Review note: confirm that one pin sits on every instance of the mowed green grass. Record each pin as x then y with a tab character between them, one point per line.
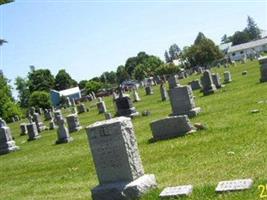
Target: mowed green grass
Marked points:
232	147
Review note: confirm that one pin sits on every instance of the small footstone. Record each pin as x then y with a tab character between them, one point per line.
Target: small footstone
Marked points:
173	192
234	185
255	111
244	73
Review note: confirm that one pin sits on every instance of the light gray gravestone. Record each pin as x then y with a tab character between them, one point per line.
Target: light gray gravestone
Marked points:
174	192
32	131
136	96
23	129
101	106
117	161
171	127
216	80
7	144
73	123
63	135
234	185
263	68
227	77
52	125
149	90
164	93
207	83
39	124
182	101
48	114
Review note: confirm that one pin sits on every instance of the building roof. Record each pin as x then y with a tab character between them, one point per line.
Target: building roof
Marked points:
247	45
68	92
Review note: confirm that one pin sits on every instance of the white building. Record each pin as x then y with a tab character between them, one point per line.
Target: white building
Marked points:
245	50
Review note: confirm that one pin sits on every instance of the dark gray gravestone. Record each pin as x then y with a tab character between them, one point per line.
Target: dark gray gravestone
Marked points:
117	161
63	135
23	129
263	68
73	123
32	131
163	93
125	107
207	83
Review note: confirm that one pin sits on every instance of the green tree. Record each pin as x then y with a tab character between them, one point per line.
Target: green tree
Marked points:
167	57
109	77
122	74
41	80
82	84
174	52
240	37
40	99
64	81
93	86
168	68
139	72
5	1
22	86
200	37
252	29
8	108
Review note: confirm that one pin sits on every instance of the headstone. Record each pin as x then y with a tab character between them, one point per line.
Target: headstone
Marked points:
13	119
117	161
17	118
216	80
171	127
149	90
48	114
73	123
263	68
125	106
68	101
23	129
108	115
234	185
74	110
244	73
114	96
32	131
207	83
32	110
182	101
40	125
175	192
63	135
52	125
93	95
173	81
99	99
81	108
73	102
227	77
58	115
7	144
136	96
163	93
101	106
40	111
195	85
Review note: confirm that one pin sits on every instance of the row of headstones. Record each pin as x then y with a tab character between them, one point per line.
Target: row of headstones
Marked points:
119	167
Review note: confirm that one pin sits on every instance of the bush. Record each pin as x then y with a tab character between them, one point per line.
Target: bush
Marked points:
93	86
40	99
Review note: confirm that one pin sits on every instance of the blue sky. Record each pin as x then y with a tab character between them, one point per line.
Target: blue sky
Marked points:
89	37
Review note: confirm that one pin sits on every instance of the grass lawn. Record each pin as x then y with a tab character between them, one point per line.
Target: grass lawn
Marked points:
232	147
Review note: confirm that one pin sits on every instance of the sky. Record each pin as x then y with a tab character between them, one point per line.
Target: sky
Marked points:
89	37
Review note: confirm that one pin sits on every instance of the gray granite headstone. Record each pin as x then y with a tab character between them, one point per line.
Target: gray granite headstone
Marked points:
73	123
23	129
63	135
234	185
207	83
48	114
263	68
182	101
117	161
227	77
171	127
101	106
173	81
149	90
108	115
81	108
39	124
7	144
174	192
163	93
195	85
136	97
32	131
216	80
52	125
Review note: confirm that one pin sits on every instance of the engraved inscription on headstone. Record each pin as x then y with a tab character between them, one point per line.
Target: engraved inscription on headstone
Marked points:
234	185
172	192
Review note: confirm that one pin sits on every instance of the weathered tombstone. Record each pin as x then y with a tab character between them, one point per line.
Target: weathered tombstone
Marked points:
244	73
149	90
32	131
81	108
173	81
125	106
7	144
40	111
227	77
57	115
16	118
108	116
207	83
117	161
13	119
175	192
195	85
101	106
93	95
99	99
163	93
171	127
114	96
182	101
23	129
234	185
216	80
136	96
263	68
73	123
52	125
32	110
48	114
40	125
63	135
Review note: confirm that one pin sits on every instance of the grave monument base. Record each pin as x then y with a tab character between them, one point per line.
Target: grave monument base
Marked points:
191	113
9	146
64	140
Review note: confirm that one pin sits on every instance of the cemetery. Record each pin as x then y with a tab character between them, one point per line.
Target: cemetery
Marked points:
105	154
